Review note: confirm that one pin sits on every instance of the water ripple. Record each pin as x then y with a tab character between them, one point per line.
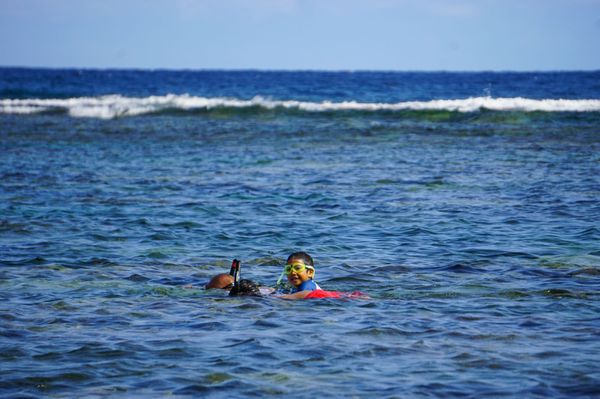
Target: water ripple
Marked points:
473	237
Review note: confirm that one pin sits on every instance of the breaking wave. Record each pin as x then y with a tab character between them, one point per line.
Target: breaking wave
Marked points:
113	106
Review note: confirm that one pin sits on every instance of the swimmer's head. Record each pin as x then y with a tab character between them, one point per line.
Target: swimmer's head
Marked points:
245	288
221	281
301	256
299	268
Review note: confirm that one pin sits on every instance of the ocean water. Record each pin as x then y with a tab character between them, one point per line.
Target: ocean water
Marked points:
466	205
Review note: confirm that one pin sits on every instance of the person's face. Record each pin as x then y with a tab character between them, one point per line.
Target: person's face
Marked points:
297	272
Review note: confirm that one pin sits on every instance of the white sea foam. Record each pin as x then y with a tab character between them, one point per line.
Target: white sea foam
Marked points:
117	106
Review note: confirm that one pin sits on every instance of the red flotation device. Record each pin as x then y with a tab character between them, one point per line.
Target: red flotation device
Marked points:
317	294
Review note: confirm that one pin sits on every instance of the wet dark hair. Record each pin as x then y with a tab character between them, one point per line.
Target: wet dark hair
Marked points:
303	256
245	288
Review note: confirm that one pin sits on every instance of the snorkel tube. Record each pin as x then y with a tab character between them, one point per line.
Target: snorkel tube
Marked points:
235	272
233	267
242	287
281	284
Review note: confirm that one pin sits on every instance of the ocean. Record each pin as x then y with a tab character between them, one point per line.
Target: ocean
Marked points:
466	205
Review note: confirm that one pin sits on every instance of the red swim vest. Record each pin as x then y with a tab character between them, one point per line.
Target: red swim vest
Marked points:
316	294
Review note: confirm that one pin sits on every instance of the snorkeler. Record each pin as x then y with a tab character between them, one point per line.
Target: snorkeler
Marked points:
300	272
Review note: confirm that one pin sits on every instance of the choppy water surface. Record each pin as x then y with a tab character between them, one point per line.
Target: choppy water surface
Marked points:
474	232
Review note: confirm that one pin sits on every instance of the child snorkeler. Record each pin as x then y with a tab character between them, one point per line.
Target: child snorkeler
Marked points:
300	271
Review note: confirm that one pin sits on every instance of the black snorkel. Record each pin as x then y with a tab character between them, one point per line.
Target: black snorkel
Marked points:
242	287
235	272
233	267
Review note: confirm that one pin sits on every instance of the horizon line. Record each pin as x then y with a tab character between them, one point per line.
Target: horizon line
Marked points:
315	70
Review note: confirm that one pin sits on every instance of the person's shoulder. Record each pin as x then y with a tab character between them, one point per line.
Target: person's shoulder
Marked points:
308	285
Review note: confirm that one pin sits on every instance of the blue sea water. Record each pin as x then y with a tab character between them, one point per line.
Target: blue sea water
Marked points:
466	205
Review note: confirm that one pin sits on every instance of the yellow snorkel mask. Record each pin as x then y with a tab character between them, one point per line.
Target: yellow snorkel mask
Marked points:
297	267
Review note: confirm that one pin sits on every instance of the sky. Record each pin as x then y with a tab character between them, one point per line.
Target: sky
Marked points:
453	35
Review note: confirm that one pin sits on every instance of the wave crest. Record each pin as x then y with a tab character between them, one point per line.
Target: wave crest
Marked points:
113	106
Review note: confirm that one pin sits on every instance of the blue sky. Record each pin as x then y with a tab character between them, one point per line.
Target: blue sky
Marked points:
302	34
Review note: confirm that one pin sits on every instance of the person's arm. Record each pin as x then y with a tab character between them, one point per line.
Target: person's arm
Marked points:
266	290
296	295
